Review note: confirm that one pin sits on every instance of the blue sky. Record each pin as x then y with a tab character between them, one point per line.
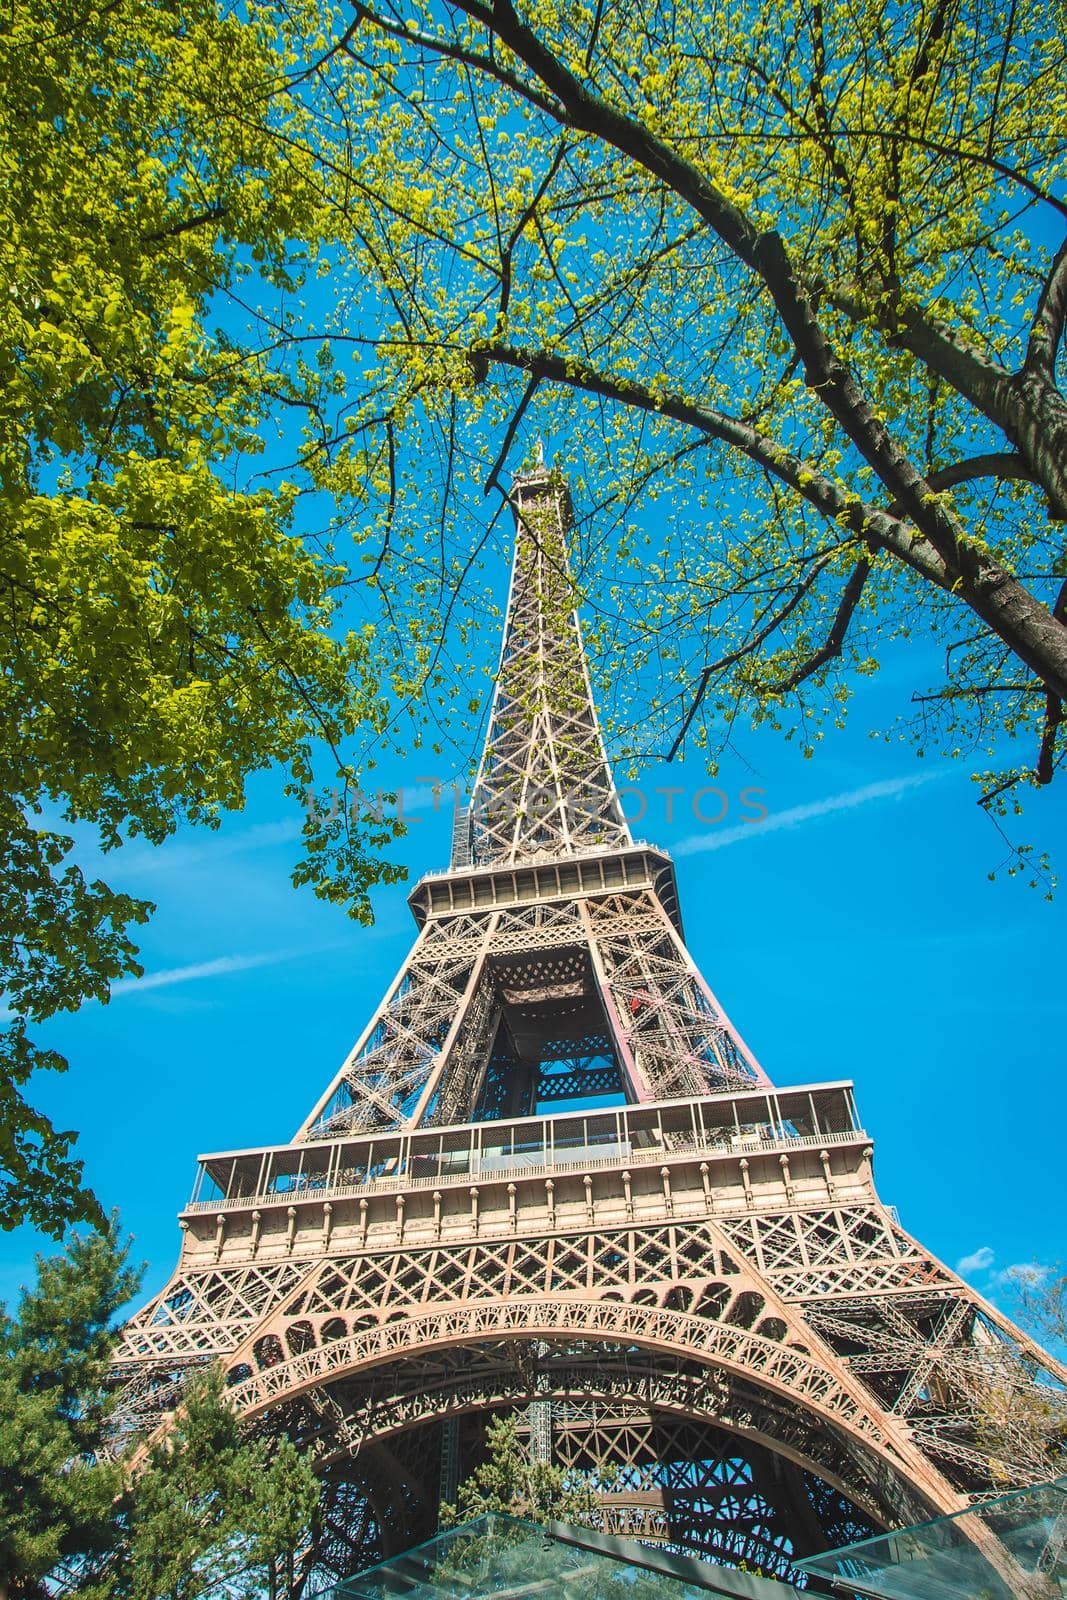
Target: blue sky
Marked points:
854	934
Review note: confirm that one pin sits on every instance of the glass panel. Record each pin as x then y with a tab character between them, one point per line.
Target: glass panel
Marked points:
1014	1546
497	1558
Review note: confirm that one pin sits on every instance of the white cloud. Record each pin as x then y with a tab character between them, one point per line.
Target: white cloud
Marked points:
813	811
196	971
979	1260
205	849
218	968
1022	1274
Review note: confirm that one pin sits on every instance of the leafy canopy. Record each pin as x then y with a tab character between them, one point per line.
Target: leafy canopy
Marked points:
799	265
165	631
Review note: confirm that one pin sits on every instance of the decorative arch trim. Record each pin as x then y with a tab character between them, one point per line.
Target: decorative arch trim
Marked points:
782	1369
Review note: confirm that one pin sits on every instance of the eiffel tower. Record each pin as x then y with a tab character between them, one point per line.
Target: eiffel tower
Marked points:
551	1180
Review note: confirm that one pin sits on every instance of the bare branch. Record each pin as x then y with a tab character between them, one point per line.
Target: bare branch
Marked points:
835	639
748	647
1054	714
1001	464
1046	755
492	481
1016	616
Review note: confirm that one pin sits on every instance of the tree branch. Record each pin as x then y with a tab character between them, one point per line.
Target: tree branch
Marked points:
993	464
826	495
493	480
1025	405
1047	329
1017	617
764	253
1046	763
936	544
457	52
1046	755
835	639
201	220
938	346
750	645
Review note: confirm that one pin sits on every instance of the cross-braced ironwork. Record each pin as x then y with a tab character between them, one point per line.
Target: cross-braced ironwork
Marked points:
551	1179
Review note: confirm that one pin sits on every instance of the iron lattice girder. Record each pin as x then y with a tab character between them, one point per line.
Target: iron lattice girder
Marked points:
435	1028
459	1380
674	1479
660	1165
582	1079
712	1256
544	787
494	1284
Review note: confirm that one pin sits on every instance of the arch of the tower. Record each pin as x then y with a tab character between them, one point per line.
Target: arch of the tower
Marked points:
661	1474
704	1435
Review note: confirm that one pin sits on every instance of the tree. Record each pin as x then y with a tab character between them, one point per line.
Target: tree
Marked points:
804	264
56	1493
1021	1413
207	1509
511	1483
165	629
211	1512
1040	1295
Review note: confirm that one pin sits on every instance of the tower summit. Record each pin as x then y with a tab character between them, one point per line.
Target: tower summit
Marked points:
530	983
544	787
550	1179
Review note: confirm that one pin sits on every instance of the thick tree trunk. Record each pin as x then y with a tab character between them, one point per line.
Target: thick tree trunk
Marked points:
1019	618
1035	420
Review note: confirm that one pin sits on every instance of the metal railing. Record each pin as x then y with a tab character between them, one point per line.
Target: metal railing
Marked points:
569	1162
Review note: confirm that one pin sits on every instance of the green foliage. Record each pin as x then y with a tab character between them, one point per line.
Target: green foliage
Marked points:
207	1509
798	267
801	266
211	1511
509	1482
165	633
56	1496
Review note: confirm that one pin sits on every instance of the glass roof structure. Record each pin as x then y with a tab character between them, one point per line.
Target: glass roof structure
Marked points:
1011	1548
500	1558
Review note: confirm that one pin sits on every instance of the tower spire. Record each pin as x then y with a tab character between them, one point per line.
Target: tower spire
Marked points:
544	786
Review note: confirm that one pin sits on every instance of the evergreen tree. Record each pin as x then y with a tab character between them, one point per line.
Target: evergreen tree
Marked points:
56	1494
206	1511
211	1512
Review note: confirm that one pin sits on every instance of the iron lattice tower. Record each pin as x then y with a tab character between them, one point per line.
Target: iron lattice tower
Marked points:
551	1179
